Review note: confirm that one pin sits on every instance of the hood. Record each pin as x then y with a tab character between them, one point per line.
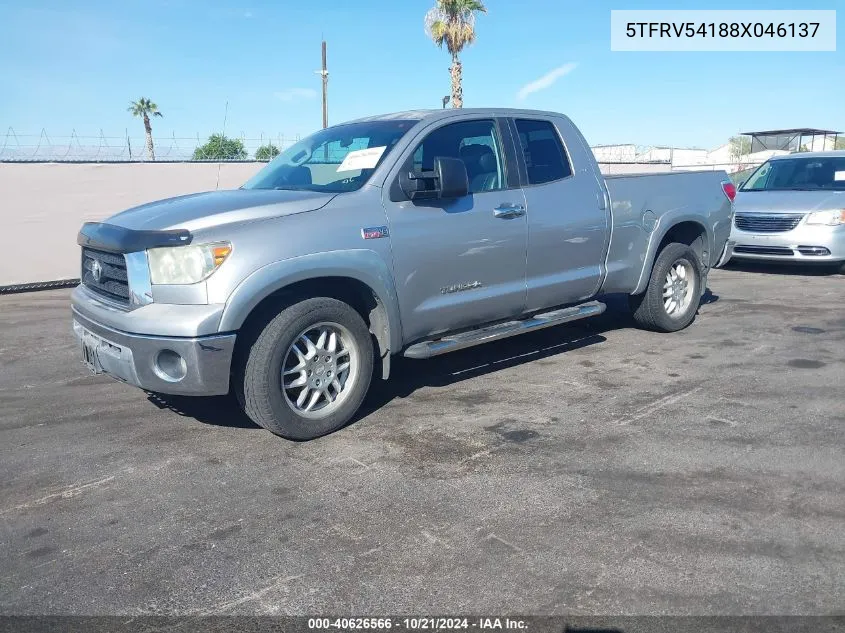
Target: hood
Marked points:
789	201
216	208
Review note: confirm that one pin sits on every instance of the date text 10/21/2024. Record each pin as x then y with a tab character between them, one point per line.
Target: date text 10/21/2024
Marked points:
417	624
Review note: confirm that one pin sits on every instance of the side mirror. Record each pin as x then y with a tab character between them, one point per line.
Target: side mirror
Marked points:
418	185
452	177
446	181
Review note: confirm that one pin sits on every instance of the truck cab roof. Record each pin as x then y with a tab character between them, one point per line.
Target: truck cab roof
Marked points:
446	113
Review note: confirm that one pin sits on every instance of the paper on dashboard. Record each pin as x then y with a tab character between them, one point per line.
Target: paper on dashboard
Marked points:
362	159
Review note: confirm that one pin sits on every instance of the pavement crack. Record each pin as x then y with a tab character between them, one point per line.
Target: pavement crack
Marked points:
661	403
68	493
230	604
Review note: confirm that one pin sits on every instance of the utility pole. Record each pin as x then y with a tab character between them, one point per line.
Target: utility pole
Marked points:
324	73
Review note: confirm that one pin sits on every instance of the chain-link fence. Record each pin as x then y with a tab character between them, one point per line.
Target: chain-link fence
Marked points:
43	147
620	159
631	154
20	147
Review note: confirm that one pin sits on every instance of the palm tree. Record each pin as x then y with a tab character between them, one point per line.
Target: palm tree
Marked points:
452	22
146	108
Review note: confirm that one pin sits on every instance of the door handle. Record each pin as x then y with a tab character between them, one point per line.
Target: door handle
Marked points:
506	211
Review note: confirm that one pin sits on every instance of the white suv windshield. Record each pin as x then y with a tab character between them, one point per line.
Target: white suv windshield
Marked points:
337	159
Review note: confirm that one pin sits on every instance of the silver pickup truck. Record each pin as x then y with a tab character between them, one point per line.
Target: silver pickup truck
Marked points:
415	233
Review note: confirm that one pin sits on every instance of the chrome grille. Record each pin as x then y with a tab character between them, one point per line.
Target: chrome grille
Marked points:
767	223
112	283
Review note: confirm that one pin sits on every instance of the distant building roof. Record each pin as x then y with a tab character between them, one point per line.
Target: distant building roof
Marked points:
807	131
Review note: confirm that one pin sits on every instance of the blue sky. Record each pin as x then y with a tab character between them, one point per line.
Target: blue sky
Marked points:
75	65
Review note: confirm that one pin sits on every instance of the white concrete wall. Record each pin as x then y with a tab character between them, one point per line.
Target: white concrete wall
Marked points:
820	143
43	205
687	157
634	168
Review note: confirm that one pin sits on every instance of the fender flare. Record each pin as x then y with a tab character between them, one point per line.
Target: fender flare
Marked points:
363	265
665	224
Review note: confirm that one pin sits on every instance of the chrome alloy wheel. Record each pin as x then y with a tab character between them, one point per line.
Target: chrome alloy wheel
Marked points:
678	288
319	369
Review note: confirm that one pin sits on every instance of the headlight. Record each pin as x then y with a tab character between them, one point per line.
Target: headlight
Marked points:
186	264
831	218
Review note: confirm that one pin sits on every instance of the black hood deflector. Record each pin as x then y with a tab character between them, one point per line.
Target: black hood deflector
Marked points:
117	239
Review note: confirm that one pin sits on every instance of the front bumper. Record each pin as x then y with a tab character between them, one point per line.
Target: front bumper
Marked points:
803	244
138	360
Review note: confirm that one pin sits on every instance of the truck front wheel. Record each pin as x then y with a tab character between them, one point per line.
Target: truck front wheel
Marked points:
308	371
674	291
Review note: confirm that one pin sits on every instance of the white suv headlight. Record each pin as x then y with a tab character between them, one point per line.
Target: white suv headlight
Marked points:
831	218
186	264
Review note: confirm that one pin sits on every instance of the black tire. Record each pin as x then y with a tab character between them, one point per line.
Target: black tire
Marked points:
648	308
263	398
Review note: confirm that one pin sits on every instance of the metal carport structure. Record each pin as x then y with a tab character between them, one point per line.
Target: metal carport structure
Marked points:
789	140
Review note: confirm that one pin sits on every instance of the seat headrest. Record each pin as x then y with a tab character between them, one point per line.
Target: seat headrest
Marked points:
480	156
298	175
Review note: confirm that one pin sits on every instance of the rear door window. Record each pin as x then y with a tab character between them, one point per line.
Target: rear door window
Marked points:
545	157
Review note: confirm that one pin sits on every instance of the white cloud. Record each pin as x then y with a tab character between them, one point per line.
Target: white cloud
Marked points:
296	94
545	81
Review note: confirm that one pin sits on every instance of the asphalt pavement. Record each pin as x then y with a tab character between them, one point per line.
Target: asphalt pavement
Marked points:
585	469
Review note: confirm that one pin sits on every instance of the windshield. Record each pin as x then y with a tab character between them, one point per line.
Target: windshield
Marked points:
799	174
337	159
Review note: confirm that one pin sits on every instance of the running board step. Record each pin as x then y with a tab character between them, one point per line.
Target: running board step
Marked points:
454	342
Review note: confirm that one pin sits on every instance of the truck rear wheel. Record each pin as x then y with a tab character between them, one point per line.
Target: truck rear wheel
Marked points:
309	369
674	291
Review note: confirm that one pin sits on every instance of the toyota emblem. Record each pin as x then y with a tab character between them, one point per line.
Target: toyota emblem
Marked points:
96	270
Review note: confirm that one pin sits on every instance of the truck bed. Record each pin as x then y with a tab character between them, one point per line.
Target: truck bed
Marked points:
644	204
